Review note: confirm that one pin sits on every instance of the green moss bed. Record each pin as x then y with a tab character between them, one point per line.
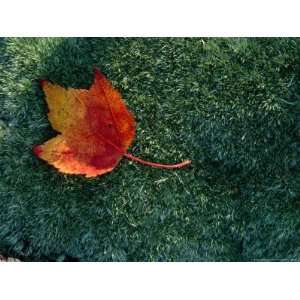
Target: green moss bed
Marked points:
231	105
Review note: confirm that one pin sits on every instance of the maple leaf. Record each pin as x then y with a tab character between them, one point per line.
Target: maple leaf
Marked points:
95	129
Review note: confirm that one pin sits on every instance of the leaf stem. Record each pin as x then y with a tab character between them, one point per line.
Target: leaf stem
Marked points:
157	165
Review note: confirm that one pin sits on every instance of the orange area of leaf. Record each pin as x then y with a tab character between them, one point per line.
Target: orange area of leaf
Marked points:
95	129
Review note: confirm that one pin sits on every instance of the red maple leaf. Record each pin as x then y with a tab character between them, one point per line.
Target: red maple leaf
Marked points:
95	129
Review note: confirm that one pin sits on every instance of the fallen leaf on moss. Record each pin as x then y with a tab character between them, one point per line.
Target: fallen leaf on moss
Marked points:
95	129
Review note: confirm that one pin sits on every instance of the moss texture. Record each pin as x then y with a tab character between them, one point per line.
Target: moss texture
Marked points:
231	105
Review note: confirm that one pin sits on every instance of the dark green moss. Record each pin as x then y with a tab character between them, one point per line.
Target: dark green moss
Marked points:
230	105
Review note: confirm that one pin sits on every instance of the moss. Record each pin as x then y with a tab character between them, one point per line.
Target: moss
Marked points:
230	105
